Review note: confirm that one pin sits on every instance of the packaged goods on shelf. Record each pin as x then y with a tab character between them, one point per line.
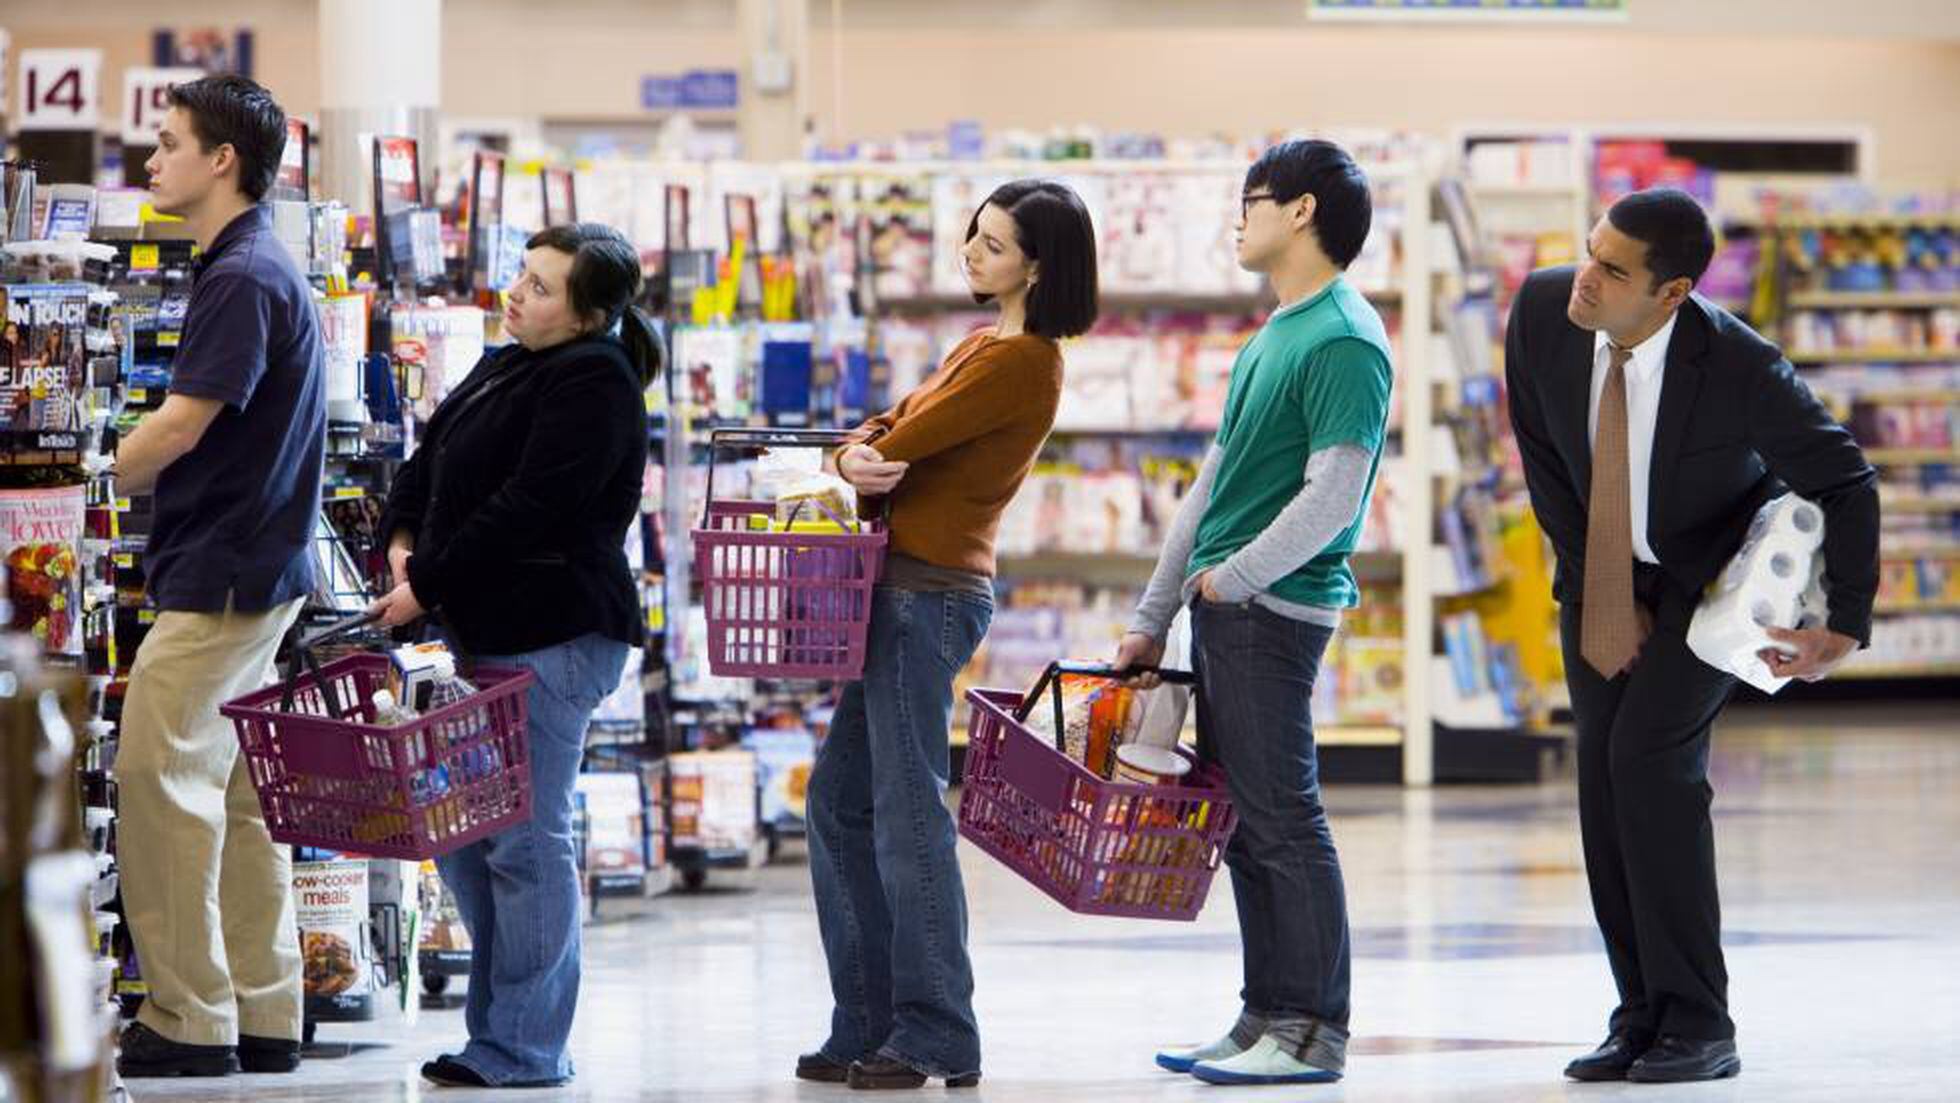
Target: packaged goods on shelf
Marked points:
1922	644
615	836
1817	332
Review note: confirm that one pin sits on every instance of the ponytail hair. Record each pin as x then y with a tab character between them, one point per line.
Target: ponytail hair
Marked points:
643	344
604	282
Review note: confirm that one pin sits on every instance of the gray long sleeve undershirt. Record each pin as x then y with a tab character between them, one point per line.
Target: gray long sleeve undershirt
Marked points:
1336	479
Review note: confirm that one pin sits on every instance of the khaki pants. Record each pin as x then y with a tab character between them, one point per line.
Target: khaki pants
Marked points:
208	896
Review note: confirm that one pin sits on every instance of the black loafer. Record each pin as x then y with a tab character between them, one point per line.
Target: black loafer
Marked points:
256	1054
1611	1060
145	1053
1678	1060
884	1074
451	1073
818	1067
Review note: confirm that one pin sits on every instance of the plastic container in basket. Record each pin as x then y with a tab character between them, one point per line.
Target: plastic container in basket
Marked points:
1099	847
784	604
417	790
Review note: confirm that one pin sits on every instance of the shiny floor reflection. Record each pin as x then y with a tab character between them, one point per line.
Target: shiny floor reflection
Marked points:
1477	972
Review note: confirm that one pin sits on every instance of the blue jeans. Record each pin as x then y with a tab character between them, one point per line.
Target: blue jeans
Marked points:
518	890
1256	671
890	903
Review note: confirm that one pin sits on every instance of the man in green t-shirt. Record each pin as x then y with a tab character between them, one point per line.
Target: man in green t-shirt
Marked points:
1260	551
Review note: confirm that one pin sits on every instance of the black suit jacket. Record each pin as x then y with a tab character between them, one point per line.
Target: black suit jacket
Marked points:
1736	428
520	497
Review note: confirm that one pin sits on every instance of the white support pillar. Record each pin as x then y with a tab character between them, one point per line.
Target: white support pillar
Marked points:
380	73
775	76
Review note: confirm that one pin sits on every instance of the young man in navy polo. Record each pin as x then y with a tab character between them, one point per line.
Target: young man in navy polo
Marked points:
233	459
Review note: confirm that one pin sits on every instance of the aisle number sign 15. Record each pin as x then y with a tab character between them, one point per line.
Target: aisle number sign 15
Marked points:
146	100
59	90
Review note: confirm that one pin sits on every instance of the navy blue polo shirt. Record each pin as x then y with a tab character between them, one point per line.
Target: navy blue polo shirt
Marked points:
235	515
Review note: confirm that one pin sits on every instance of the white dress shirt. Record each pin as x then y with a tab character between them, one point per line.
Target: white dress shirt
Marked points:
1643	410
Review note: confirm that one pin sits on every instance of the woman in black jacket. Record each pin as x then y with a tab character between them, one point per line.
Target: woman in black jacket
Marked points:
510	521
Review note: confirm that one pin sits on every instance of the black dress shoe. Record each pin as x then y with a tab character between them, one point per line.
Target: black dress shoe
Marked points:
1611	1060
882	1074
818	1067
1678	1060
256	1054
146	1053
451	1073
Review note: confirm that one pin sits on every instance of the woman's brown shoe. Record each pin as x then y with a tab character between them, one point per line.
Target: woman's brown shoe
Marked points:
818	1067
882	1074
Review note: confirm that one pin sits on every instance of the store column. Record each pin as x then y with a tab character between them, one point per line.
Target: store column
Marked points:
775	75
380	73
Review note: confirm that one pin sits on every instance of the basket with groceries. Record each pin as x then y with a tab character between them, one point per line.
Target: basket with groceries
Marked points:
787	583
399	754
1074	787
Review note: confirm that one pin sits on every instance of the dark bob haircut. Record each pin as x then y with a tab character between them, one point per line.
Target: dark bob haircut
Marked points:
1680	242
1343	209
1051	226
231	110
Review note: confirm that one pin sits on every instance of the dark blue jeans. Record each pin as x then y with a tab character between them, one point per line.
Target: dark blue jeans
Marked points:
1257	670
518	890
890	903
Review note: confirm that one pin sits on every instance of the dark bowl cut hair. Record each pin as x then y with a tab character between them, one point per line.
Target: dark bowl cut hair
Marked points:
232	110
1051	226
1343	207
1680	240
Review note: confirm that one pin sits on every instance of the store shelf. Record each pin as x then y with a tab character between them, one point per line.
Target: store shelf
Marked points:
1876	356
1912	456
1918	505
1522	192
1910	554
1872	221
1096	569
1898	397
1872	300
1900	670
1907	608
1357	735
1135	434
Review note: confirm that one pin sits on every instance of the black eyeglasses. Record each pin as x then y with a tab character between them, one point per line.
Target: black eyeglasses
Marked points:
1249	198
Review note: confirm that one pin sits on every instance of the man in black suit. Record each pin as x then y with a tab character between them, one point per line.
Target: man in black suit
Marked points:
1653	425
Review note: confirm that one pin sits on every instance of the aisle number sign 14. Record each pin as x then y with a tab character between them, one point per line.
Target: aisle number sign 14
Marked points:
59	90
146	100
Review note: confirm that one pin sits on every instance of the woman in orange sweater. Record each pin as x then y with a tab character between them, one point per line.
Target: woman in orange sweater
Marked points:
890	903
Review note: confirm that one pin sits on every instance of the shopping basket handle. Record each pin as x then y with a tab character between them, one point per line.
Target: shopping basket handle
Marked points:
1105	670
340	627
770	437
302	657
1053	676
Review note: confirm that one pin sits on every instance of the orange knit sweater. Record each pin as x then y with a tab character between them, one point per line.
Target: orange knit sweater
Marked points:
970	432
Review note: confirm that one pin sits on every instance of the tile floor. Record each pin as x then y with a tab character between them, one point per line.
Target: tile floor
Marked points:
1477	972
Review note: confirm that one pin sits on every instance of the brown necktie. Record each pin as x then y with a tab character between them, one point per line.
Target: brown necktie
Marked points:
1608	631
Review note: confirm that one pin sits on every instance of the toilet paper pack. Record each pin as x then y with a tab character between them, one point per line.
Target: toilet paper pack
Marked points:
1776	579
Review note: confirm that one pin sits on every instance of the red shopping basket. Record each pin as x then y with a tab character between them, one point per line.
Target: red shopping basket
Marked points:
327	776
1098	847
784	604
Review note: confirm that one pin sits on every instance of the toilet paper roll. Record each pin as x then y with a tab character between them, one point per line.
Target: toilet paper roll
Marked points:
1789	516
1774	580
1776	564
